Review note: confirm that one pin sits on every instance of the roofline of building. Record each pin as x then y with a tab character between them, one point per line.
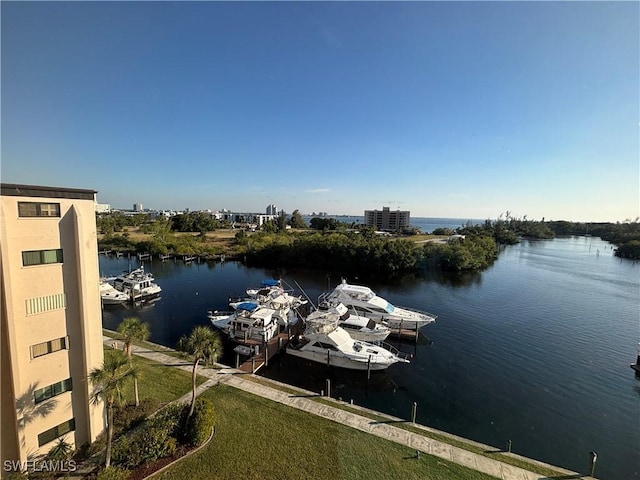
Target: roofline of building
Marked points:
16	190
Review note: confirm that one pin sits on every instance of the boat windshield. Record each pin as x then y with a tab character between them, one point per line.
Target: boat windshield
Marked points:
390	308
371	325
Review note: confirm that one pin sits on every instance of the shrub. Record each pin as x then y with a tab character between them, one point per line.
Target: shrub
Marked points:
129	416
201	422
127	452
152	440
155	442
60	451
172	418
113	473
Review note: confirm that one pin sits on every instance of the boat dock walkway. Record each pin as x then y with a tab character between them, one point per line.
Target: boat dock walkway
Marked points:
304	401
265	353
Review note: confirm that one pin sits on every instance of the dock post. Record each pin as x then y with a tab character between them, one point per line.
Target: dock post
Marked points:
237	360
593	456
265	345
400	329
369	368
509	446
328	387
414	410
417	332
253	365
328	357
279	344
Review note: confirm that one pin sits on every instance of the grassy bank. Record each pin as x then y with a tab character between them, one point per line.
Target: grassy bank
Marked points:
162	383
496	454
257	438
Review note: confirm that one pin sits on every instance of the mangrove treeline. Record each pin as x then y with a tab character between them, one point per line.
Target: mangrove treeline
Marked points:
348	248
352	252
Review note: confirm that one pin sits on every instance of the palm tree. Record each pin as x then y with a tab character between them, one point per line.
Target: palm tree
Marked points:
203	345
131	329
108	382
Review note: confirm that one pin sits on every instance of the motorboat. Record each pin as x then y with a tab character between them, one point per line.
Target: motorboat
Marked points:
323	341
366	302
249	321
137	284
273	296
359	327
109	295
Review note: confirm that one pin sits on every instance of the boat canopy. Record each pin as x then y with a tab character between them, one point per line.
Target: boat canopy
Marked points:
249	306
270	283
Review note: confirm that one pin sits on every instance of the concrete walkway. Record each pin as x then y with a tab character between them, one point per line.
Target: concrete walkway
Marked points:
422	443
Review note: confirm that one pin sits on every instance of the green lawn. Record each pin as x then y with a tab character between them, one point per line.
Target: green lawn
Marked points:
496	454
166	384
260	439
160	382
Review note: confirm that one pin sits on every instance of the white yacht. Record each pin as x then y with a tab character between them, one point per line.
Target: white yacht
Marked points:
272	295
137	284
359	327
249	321
325	342
110	296
364	301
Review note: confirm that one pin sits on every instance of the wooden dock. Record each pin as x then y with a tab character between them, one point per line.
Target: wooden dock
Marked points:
405	334
262	353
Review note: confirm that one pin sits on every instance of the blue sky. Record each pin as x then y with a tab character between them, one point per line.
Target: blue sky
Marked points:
454	109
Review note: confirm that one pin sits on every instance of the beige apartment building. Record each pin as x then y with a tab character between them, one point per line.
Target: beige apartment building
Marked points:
387	220
51	319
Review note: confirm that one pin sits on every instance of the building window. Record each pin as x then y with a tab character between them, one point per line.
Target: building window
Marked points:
36	209
46	393
40	257
57	431
51	346
46	303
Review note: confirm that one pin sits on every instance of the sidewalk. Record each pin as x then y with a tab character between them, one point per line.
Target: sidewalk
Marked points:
234	378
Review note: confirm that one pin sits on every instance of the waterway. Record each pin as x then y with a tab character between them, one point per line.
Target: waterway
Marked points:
535	350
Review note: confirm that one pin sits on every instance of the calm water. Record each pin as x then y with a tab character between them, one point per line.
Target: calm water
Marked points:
535	350
426	224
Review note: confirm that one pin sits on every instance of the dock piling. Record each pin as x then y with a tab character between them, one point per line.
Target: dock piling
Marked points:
593	456
328	387
265	345
414	411
508	446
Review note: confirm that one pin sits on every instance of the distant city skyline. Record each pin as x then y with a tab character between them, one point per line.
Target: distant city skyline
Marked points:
445	109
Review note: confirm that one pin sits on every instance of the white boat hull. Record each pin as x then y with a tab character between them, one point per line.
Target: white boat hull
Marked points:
111	296
410	321
370	337
335	359
366	303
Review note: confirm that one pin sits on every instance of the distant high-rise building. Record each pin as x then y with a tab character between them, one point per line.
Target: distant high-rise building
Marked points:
386	220
272	210
51	320
137	207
